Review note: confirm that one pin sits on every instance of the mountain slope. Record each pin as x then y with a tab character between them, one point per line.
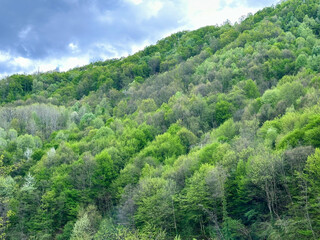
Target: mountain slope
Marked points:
209	134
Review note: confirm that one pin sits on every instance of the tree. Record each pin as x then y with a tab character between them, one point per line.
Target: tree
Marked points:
105	171
302	61
86	119
263	171
3	143
312	192
187	138
12	134
223	111
87	224
251	89
7	187
154	204
25	142
196	202
164	147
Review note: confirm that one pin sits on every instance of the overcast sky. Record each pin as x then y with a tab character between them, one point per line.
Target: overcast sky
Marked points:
48	34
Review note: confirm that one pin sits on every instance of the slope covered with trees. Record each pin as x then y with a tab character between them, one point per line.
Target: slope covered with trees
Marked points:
209	134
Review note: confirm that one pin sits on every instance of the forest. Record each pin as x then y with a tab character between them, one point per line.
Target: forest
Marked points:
208	134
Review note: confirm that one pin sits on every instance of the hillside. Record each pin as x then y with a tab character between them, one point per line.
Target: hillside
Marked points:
208	134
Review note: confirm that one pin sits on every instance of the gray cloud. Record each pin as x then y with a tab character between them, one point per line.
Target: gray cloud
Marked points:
39	28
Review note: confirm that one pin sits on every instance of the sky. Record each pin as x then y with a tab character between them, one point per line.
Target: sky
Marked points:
44	35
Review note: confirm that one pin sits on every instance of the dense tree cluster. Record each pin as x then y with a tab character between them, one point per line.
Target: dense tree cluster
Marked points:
209	134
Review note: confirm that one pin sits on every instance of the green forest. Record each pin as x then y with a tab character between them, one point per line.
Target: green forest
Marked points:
208	134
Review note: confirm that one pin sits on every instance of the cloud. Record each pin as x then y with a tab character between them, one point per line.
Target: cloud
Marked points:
137	2
40	28
263	3
246	3
67	33
25	65
203	12
4	56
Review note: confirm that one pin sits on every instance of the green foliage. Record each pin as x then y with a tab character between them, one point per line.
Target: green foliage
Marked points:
26	141
110	230
154	203
86	225
87	119
196	199
165	146
105	171
226	131
223	111
271	97
312	207
208	134
187	138
251	89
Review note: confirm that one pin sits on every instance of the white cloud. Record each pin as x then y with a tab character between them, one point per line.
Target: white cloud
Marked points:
63	64
138	47
74	47
3	75
73	62
153	8
4	56
204	12
105	50
136	2
21	62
